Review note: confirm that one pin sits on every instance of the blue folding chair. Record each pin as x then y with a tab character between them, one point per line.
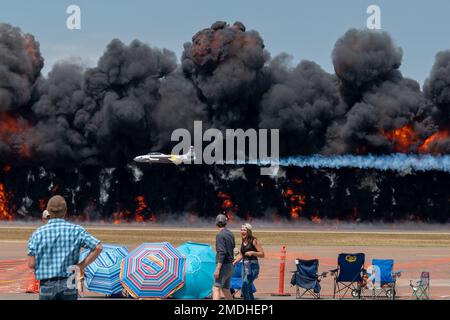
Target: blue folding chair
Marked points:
236	280
383	279
348	276
306	279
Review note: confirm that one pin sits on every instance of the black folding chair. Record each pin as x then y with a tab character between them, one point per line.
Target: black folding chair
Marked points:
306	279
348	276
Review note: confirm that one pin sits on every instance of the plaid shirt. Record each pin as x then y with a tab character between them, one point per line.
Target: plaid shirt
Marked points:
56	246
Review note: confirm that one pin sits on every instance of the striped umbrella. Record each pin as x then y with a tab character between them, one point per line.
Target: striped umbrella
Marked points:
153	270
200	266
102	275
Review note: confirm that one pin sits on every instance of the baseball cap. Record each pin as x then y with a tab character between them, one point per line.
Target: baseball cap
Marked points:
248	226
221	218
57	206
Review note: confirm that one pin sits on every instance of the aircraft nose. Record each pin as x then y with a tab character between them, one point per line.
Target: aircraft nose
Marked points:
138	159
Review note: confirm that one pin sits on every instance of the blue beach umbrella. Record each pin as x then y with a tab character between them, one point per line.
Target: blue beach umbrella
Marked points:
200	266
102	276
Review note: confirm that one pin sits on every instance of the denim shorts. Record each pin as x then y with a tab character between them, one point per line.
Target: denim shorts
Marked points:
56	290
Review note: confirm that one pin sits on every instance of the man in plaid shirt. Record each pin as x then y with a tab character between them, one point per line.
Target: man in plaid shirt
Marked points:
54	249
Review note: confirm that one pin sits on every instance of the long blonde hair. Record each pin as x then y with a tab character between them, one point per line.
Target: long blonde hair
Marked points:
249	237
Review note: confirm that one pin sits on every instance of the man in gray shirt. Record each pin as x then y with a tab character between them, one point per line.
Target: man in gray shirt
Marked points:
224	259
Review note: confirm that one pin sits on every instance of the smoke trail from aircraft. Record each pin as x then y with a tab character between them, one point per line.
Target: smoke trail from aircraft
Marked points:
394	162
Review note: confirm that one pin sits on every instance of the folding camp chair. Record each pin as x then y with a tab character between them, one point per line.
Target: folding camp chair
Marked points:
306	278
236	280
421	288
383	279
348	276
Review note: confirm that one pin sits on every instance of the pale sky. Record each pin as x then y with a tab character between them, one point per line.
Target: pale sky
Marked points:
306	29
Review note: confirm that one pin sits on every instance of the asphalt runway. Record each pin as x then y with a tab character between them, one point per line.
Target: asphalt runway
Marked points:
262	227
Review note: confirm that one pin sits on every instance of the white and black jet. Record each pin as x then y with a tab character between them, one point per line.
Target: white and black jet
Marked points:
158	157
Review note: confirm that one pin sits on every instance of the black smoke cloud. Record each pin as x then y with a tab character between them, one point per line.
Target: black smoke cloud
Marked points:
227	66
76	130
302	101
437	86
378	97
137	95
362	57
387	106
20	64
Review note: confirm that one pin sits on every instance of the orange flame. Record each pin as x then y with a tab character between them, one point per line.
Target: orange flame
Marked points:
296	202
402	138
316	219
119	217
228	207
138	218
5	213
125	216
288	192
405	137
141	206
152	217
42	204
10	127
429	146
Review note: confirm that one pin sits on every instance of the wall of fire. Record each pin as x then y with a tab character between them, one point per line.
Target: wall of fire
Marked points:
162	193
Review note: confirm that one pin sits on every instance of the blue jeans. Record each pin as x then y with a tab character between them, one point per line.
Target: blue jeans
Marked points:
250	271
57	290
